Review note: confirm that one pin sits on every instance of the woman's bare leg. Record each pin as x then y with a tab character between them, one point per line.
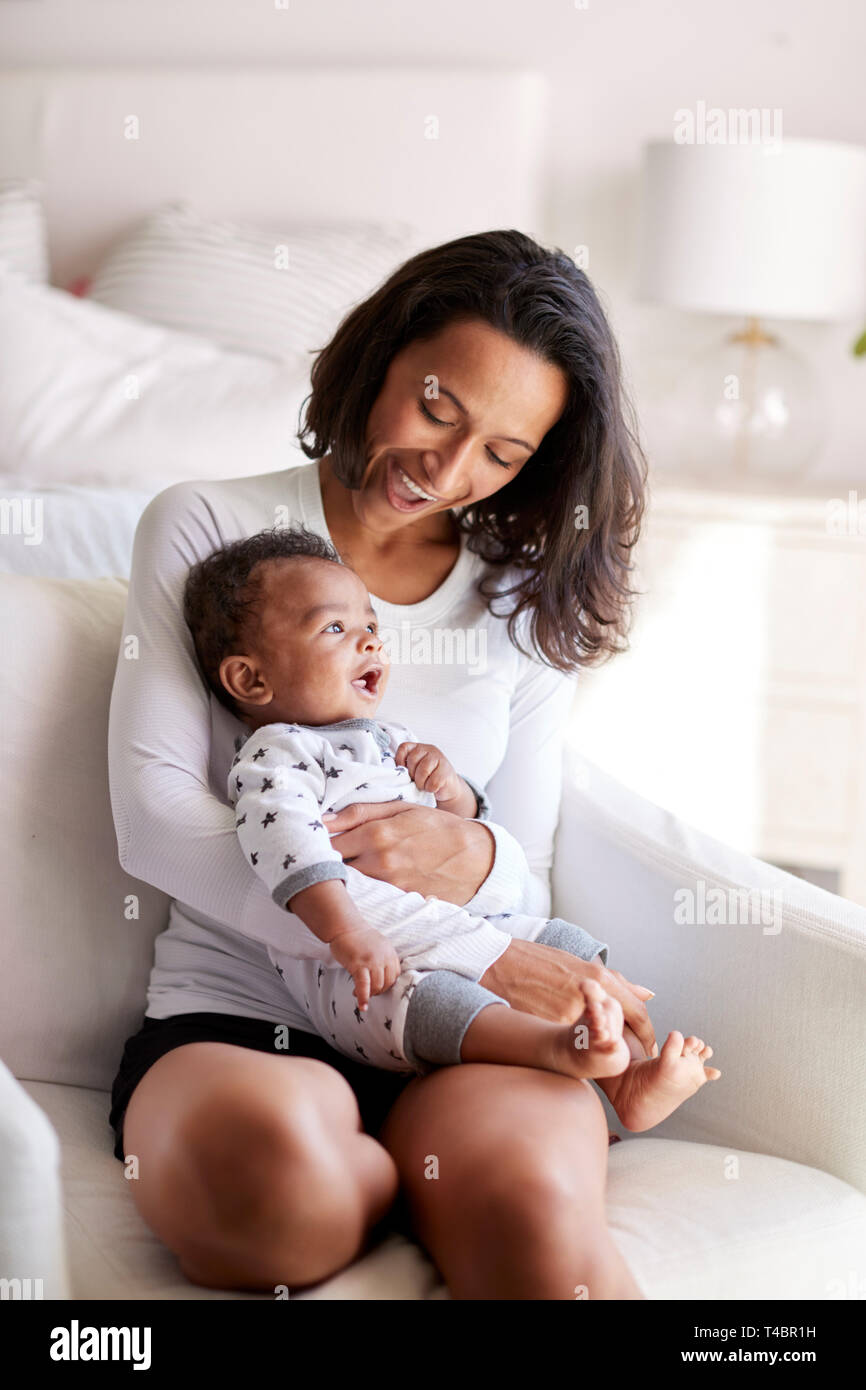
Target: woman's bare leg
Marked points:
504	1170
253	1169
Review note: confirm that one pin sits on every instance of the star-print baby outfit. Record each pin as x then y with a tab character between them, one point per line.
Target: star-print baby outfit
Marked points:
282	779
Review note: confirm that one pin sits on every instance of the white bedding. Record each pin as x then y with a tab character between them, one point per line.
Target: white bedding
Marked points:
96	397
196	364
67	531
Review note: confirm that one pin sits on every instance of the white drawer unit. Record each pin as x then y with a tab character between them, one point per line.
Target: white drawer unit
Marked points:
741	705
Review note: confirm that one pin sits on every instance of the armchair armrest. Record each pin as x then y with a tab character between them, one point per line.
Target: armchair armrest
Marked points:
32	1245
767	968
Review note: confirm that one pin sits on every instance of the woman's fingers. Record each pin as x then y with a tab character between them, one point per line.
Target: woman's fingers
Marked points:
633	1003
351	816
634	1012
642	991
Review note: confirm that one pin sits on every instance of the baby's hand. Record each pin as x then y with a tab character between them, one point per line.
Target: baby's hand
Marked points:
430	770
369	958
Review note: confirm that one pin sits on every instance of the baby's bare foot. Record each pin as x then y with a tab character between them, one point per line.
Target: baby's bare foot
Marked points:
648	1091
593	1046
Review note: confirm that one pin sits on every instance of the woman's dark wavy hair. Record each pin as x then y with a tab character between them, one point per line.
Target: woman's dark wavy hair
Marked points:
575	588
223	593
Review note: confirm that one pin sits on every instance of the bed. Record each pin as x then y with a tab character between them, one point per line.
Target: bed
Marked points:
334	154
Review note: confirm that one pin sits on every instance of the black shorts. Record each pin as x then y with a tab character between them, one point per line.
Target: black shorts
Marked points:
375	1091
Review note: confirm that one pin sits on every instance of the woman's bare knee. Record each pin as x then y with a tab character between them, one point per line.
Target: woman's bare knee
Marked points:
467	1119
263	1176
517	1208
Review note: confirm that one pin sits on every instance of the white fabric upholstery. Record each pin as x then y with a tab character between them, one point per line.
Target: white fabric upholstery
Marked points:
703	1221
75	963
784	1013
32	1243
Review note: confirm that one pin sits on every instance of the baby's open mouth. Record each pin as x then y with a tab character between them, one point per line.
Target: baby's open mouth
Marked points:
368	681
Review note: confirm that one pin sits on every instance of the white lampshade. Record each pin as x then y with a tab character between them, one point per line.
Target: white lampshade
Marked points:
770	232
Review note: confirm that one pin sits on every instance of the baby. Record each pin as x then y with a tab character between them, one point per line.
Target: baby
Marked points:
287	639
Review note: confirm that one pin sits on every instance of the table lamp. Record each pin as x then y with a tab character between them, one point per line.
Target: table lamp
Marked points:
767	232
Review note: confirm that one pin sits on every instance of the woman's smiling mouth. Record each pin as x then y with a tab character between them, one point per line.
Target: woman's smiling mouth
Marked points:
402	491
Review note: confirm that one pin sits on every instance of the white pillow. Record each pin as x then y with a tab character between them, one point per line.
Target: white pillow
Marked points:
69	411
23	238
274	291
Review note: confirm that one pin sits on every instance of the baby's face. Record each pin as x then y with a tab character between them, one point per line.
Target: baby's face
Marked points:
317	654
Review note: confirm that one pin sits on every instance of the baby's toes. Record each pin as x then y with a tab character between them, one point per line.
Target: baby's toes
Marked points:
595	1019
602	1021
712	1073
706	1052
593	996
595	999
692	1044
613	1015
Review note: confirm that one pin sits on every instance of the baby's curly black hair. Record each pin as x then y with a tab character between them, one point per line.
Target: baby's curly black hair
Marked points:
223	592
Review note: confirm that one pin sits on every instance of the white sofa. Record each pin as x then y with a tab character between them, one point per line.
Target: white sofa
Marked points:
754	1189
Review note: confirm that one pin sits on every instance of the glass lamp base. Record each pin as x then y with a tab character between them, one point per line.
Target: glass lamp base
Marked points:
750	409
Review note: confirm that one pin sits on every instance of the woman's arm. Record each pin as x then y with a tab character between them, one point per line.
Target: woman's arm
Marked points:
173	829
525	795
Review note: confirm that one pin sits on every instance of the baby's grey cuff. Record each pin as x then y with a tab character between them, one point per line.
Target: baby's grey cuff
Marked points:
565	936
483	804
305	878
441	1008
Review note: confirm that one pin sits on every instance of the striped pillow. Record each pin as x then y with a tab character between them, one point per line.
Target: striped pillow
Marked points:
23	240
275	293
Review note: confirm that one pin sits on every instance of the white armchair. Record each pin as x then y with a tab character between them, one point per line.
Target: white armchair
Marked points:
755	1189
762	1174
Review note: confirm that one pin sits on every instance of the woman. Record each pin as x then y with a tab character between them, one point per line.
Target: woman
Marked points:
470	454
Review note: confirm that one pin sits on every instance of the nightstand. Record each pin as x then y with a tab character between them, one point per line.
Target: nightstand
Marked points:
741	705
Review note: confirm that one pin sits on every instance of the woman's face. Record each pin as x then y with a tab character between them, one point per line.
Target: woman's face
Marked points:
458	417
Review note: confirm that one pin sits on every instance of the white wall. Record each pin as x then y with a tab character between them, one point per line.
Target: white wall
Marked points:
619	68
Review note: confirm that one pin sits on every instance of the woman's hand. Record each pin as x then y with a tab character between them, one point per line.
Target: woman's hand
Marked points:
545	981
417	848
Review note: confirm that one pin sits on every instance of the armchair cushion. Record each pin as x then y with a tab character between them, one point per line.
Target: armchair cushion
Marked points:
693	1221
